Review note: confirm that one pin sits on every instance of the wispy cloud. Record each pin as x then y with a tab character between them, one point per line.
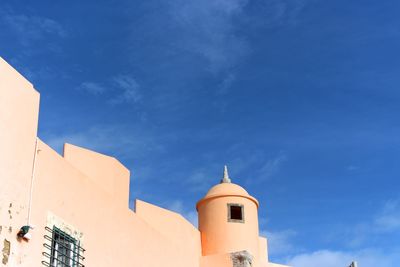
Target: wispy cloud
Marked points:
178	207
226	83
331	258
128	89
201	179
31	27
119	89
33	73
272	166
278	12
211	35
280	242
208	29
110	139
388	220
92	88
352	168
383	223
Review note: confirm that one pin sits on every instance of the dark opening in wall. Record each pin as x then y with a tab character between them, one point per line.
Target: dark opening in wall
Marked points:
235	213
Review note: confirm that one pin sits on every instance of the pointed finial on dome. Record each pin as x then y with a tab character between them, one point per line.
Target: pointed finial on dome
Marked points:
225	179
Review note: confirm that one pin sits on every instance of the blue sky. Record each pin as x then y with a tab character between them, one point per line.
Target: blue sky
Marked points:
300	98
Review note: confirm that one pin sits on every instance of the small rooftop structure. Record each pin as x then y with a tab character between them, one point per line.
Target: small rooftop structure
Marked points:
225	178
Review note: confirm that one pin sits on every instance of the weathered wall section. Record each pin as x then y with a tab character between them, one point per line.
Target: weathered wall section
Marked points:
19	108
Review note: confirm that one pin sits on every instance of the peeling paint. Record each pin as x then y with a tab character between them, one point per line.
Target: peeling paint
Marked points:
1	228
10	229
6	251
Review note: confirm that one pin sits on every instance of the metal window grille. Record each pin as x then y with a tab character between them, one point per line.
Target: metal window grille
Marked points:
62	250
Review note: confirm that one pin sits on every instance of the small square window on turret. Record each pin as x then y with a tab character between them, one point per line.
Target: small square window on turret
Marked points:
235	213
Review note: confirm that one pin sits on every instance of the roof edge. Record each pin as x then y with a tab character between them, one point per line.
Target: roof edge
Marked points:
226	195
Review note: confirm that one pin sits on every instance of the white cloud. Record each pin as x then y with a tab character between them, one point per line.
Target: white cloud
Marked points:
384	223
323	258
352	168
388	220
360	239
272	166
279	12
33	74
208	29
124	140
330	258
280	242
226	84
243	160
121	89
31	27
92	88
128	88
178	207
200	179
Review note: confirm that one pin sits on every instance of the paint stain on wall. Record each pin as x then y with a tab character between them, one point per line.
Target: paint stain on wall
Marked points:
9	210
6	251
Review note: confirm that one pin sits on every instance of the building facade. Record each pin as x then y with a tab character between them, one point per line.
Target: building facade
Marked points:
72	209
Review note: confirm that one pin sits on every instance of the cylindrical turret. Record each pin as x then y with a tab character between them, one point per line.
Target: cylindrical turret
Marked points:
228	220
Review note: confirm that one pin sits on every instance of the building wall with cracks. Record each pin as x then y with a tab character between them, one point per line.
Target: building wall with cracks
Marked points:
85	195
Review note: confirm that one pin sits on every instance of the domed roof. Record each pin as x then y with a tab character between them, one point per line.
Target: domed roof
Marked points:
226	188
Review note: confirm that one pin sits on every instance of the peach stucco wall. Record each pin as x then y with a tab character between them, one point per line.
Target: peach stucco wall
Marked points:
263	248
88	192
120	236
183	235
19	104
216	260
220	236
105	171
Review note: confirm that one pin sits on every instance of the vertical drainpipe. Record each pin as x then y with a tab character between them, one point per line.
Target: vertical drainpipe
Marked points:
32	182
